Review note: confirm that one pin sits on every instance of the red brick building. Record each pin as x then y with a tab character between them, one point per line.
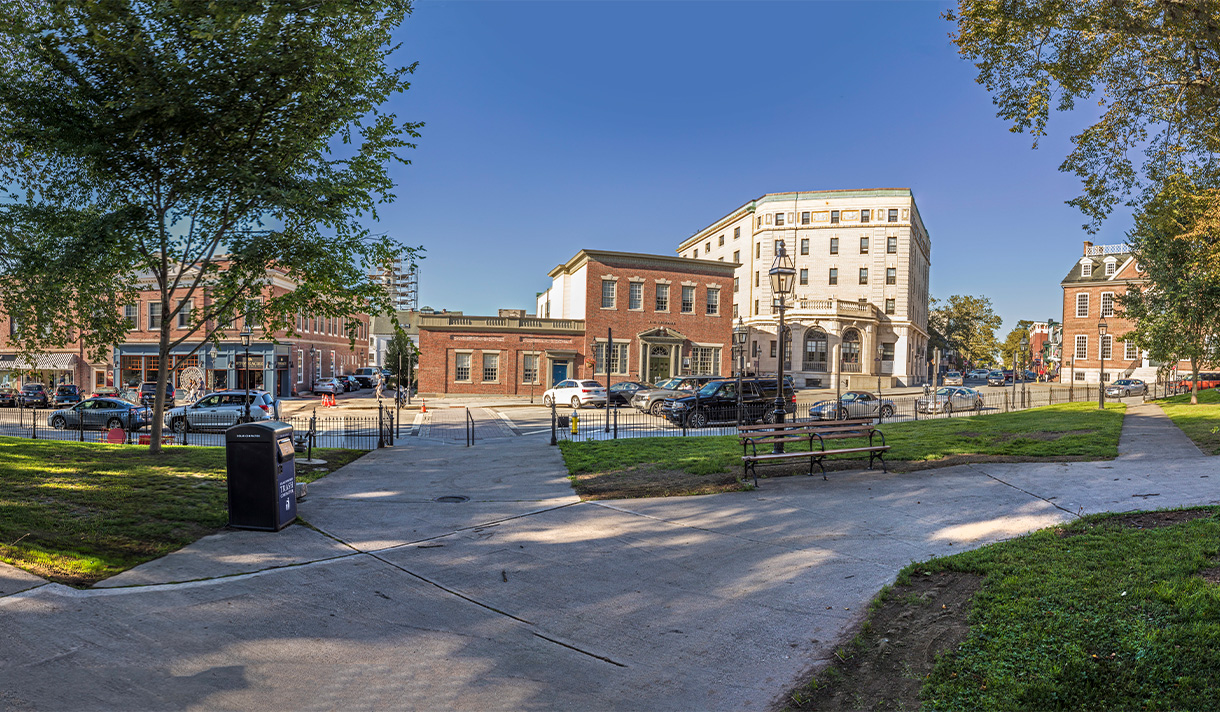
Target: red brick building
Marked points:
666	316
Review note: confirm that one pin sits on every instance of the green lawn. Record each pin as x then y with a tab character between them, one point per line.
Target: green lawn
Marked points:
1200	422
1075	430
80	512
1096	615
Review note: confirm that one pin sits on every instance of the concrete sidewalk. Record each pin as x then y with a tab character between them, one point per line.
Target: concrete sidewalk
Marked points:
523	597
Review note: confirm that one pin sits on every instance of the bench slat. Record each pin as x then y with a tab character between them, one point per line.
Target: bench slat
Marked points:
815	453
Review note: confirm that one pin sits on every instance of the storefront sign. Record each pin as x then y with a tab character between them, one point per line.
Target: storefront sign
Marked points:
256	362
281	362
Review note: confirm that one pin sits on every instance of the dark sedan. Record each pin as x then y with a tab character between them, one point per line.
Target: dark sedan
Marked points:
622	393
67	394
8	397
34	395
101	414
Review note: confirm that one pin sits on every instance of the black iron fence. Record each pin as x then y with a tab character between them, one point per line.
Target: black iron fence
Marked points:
333	430
627	422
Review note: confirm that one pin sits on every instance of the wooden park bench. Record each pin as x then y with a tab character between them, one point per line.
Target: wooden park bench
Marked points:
815	433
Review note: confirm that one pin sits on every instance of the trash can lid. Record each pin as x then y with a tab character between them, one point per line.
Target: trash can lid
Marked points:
264	431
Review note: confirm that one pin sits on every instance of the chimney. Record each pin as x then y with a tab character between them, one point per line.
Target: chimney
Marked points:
1087	245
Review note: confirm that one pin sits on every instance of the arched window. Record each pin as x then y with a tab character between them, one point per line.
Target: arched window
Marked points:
849	356
815	351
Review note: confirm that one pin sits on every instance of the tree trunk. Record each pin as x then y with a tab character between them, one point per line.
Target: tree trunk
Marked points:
158	416
1194	386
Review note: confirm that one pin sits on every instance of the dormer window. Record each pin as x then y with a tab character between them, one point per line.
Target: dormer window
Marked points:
1086	269
1111	267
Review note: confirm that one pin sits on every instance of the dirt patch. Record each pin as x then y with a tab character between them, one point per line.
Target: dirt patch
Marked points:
887	659
1040	435
651	481
1211	575
1154	520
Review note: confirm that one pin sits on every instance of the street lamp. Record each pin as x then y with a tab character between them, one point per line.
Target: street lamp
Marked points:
877	361
246	333
1101	352
740	333
783	279
1024	350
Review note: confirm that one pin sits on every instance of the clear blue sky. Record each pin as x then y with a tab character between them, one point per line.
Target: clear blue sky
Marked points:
555	126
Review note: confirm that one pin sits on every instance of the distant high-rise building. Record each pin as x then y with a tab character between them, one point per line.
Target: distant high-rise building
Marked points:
401	284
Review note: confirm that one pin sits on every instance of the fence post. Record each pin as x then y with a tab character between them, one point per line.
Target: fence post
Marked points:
616	423
380	428
81	427
554	428
1005	400
34	425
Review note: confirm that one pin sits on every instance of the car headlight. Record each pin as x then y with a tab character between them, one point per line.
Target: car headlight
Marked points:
677	406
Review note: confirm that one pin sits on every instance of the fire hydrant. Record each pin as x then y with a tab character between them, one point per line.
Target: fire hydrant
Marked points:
575	421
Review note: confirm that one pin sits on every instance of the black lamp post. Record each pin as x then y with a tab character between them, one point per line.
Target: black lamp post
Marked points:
877	361
783	279
1024	351
246	333
1101	353
740	333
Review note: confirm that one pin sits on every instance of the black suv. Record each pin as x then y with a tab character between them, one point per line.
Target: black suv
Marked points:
34	395
717	402
67	394
148	393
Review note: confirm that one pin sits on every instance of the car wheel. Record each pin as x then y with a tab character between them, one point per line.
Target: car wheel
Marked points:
114	423
546	400
59	423
655	408
576	401
843	414
887	411
697	419
178	425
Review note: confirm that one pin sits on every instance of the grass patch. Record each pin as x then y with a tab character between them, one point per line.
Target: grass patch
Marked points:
1200	422
77	513
651	467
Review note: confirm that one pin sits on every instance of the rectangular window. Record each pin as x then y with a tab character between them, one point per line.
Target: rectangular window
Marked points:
1130	352
662	297
865	215
1082	347
737	256
184	314
804	245
1111	268
332	364
889	306
864	245
887	352
773	349
618	358
756	278
834	245
1082	304
491	368
804	276
705	360
864	275
834	275
131	313
635	295
734	310
891	275
1079	376
736	233
721	241
893	215
688	300
154	315
834	217
461	368
1107	304
300	365
755	307
713	301
608	288
707	248
736	284
529	368
779	244
779	219
805	218
891	245
757	250
1107	346
1086	269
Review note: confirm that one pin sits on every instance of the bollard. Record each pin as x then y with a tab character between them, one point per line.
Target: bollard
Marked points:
554	428
616	423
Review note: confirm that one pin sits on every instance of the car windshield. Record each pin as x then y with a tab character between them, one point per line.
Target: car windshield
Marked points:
32	387
944	391
849	396
709	389
667	383
953	374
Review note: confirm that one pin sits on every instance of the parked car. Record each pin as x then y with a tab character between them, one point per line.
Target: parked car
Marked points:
947	399
853	404
978	374
716	401
101	414
34	395
995	378
148	393
8	397
1124	387
578	393
221	410
105	392
953	378
66	394
367	376
652	400
350	383
621	393
328	385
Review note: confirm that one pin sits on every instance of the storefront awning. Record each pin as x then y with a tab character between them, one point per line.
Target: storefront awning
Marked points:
41	362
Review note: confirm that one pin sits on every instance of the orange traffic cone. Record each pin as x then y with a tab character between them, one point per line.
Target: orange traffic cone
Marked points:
424	406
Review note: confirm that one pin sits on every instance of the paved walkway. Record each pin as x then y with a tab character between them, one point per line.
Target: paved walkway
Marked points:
1148	434
522	597
450	424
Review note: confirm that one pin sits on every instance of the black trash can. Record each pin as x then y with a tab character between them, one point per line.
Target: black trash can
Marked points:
261	475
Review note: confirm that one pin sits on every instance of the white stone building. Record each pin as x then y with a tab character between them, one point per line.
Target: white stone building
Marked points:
860	306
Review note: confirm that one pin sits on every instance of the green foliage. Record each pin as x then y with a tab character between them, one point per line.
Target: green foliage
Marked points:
1151	66
401	352
1090	616
207	148
1012	344
80	512
965	325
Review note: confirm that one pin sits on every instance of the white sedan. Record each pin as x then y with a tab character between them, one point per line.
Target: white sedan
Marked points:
578	393
328	385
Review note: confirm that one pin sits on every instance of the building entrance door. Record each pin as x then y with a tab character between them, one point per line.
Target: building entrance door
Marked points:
559	371
658	363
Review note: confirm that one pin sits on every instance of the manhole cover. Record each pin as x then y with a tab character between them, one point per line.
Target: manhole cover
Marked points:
453	498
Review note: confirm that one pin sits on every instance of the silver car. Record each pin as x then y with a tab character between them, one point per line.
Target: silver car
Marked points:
853	404
947	399
652	400
953	378
100	414
218	411
1124	387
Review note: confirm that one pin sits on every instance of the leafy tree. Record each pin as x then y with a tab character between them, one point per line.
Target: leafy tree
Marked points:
965	325
1012	343
401	350
1151	66
1177	312
200	149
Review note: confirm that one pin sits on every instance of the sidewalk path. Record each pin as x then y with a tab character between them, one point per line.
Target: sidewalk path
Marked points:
449	424
522	597
1149	434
